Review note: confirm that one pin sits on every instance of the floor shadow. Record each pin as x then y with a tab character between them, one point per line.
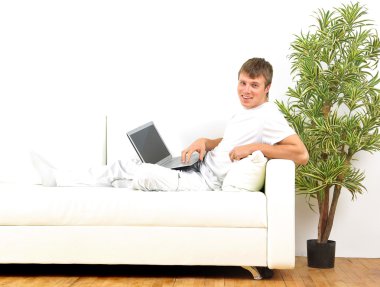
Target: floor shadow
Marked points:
122	270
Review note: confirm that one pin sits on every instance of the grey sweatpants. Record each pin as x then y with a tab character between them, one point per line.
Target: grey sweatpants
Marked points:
132	174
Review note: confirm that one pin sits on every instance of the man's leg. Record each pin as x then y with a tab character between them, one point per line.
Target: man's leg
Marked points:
119	171
150	177
116	173
128	174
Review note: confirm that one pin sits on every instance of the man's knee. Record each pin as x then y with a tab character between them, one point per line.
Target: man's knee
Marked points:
152	177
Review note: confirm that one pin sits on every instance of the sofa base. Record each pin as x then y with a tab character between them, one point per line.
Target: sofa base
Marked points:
144	245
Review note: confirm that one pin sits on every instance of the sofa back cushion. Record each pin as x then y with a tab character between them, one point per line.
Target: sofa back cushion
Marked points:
64	139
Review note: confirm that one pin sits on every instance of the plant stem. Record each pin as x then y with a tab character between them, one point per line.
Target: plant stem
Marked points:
323	212
330	221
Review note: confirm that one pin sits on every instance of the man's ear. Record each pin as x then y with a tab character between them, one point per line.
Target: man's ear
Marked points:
267	88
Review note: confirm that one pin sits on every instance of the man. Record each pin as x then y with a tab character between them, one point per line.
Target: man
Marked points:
259	125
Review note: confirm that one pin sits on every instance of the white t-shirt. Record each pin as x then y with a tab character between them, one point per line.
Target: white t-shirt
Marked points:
263	124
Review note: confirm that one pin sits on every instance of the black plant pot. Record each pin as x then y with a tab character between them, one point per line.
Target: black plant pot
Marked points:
320	255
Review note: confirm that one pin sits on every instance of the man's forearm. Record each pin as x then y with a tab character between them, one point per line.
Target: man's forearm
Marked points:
290	148
282	151
212	143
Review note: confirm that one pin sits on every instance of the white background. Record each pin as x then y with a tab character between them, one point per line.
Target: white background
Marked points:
174	62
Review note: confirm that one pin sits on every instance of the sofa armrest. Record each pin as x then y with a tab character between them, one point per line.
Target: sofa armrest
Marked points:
280	193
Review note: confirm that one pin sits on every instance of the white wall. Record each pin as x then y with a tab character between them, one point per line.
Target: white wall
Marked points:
160	58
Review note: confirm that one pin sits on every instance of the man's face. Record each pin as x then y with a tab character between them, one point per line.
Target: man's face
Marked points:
252	92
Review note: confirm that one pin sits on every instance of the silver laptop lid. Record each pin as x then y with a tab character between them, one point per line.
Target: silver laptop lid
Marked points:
148	144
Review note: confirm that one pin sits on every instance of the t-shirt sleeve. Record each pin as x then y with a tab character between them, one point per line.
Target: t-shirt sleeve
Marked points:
276	128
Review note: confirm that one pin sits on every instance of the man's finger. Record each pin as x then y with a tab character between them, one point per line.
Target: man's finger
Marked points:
202	154
188	155
183	155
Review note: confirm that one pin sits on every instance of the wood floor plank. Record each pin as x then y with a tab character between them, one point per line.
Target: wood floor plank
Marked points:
291	278
303	272
214	282
373	268
13	281
37	281
335	277
189	282
352	273
88	281
136	282
276	281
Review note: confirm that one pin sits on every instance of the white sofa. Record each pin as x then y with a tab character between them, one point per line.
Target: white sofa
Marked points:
92	225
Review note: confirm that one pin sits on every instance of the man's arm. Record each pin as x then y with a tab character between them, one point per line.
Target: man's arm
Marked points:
201	146
289	148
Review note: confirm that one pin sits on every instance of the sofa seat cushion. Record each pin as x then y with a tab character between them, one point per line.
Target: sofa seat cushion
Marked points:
103	206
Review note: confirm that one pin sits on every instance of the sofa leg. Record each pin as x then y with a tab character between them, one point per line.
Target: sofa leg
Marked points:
253	270
260	272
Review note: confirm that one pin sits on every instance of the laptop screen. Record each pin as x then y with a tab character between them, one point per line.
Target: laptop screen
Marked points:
148	143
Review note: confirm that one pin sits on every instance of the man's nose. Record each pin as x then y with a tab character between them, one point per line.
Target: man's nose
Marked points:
246	89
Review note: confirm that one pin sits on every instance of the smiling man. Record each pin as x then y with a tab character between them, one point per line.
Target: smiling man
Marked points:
257	126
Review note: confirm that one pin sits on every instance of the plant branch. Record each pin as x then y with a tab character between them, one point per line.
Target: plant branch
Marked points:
330	221
323	212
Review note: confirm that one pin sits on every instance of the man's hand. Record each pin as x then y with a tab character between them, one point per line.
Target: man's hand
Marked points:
201	146
239	152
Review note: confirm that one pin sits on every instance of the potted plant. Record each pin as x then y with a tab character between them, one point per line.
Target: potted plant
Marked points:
335	109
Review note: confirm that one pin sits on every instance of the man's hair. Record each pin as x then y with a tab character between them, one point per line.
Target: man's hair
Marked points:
256	67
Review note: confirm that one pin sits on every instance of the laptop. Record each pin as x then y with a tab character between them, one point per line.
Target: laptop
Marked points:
151	148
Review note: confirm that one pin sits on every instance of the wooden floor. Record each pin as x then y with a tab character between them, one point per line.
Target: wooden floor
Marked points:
347	272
